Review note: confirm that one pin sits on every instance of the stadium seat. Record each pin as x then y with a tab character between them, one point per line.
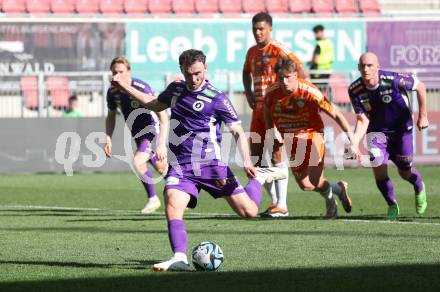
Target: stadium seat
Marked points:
253	6
276	6
322	6
14	6
229	6
29	91
58	90
183	6
300	6
135	6
62	6
338	84
87	6
346	6
111	6
369	6
159	6
38	6
207	6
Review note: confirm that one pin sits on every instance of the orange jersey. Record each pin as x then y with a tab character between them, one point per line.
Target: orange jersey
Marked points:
299	111
260	63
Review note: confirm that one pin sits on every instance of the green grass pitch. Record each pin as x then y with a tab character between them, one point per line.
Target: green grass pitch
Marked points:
85	233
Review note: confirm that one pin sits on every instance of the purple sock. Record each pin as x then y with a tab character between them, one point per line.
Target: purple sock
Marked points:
386	188
254	191
148	184
177	235
416	180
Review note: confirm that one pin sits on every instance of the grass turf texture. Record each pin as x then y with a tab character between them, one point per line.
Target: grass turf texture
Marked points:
113	248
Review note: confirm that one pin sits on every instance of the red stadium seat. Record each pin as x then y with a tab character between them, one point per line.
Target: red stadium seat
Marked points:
300	6
135	6
14	6
277	6
111	6
87	6
58	90
338	84
183	6
62	6
207	6
159	6
369	6
38	6
322	6
229	6
253	6
346	6
29	91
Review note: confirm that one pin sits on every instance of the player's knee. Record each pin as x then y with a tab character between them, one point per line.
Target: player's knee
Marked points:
248	213
306	187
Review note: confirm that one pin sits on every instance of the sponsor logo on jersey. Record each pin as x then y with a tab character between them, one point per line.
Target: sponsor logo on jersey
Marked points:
204	98
138	84
198	105
209	92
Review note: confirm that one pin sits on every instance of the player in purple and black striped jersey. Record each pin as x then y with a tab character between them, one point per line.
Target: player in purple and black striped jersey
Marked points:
197	111
381	102
143	125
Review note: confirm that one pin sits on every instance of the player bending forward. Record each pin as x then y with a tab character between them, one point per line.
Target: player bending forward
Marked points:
293	106
142	120
199	109
381	103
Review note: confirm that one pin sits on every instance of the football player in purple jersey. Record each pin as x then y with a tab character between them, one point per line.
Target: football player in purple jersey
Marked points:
381	102
197	111
143	124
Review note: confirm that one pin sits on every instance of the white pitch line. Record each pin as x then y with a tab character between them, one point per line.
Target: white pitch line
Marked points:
38	207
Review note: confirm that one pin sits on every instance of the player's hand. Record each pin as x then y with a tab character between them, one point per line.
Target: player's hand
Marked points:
352	153
108	148
422	123
119	81
250	170
161	152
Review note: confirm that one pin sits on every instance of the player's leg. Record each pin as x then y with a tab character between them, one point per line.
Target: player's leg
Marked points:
176	202
161	166
402	156
246	201
258	132
142	155
279	161
386	188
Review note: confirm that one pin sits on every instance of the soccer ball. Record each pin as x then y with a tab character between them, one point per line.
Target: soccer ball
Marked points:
207	256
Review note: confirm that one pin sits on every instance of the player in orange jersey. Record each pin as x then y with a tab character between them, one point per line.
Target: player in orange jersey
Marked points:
259	71
292	105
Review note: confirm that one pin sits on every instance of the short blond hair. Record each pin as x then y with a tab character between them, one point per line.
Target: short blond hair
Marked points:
120	60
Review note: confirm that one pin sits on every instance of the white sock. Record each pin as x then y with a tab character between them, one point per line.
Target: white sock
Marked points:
180	256
281	186
270	188
327	194
336	188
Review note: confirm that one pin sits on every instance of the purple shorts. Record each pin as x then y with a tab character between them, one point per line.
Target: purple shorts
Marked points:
397	147
217	180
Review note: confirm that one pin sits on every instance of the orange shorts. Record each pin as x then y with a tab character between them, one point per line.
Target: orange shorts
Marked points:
306	149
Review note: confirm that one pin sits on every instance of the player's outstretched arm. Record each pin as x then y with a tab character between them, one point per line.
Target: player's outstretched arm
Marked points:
238	133
110	122
148	101
339	118
161	150
422	120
